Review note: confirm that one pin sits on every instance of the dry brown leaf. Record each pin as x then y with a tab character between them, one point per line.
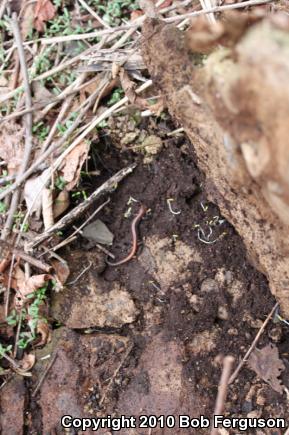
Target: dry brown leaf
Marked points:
61	203
33	192
72	164
44	11
62	270
47	208
268	366
26	286
26	23
27	362
40	92
136	14
129	89
44	330
11	146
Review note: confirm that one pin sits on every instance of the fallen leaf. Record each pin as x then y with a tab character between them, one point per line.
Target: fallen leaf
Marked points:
33	192
25	286
40	93
27	361
44	11
26	22
61	203
136	14
98	232
268	366
44	330
72	164
47	208
129	89
62	270
11	146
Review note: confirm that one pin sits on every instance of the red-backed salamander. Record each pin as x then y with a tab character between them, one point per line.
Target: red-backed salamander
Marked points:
134	224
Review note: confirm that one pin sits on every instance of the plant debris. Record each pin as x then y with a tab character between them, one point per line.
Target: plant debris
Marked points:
268	366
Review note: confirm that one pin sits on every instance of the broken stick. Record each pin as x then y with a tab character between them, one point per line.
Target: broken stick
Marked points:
106	187
253	345
6	249
222	390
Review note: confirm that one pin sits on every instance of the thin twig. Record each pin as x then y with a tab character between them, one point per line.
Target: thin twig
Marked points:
216	9
28	126
107	187
6	249
7	296
222	390
14	364
139	21
56	145
76	142
44	374
253	345
106	251
51	72
3	7
17	334
94	14
68	91
81	274
81	226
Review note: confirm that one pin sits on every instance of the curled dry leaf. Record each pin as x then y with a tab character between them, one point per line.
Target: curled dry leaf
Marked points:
61	203
40	92
25	287
44	330
129	89
33	192
72	164
136	14
26	23
27	362
44	11
47	208
11	146
268	366
61	270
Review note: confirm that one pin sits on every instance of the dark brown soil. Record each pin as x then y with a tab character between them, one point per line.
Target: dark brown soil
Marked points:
197	302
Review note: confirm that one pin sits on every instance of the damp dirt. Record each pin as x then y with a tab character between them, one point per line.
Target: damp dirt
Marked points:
196	298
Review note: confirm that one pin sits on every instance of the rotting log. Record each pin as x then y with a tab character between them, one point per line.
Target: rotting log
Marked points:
233	103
